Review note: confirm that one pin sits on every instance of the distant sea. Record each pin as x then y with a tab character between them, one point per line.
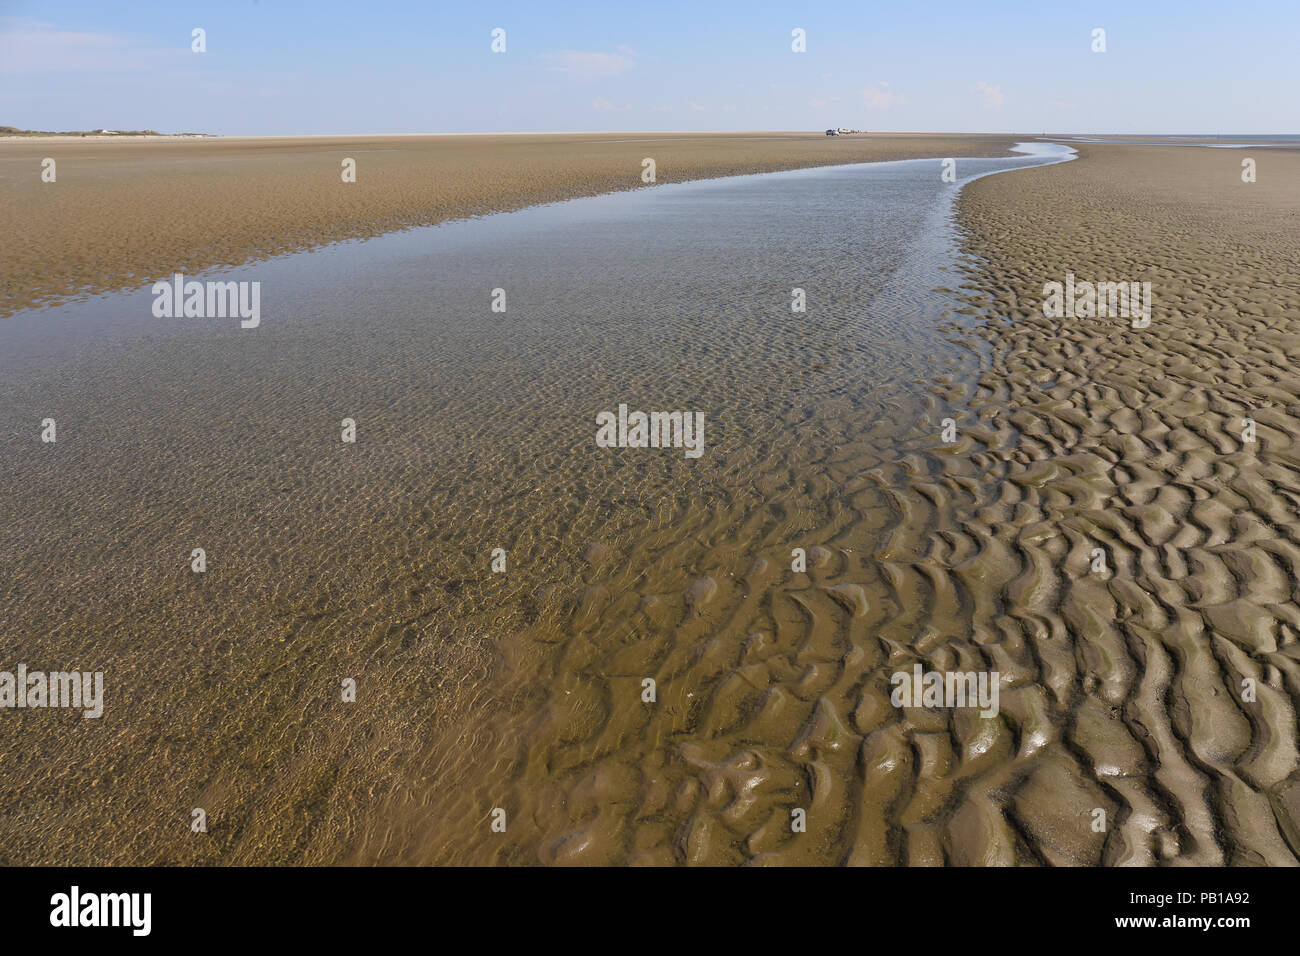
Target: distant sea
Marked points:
1226	141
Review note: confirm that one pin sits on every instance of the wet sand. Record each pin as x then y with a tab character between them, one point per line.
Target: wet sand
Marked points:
1088	433
523	691
123	212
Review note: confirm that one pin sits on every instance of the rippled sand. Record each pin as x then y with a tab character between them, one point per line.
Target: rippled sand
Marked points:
1087	433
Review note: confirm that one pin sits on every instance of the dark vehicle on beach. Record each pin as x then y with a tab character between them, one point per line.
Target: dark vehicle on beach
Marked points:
832	132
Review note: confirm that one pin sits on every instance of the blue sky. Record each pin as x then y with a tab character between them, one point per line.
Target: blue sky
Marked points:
276	67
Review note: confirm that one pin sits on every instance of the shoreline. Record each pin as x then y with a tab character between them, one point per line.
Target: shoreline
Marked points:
120	215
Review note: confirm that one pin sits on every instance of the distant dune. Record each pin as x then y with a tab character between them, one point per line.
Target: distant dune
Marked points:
14	131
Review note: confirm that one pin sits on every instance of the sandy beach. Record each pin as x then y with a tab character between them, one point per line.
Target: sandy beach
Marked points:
1120	683
123	211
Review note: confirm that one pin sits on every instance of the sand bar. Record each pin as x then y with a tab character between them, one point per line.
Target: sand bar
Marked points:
126	211
1090	434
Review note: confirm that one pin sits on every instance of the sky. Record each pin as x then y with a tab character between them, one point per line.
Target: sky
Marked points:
273	67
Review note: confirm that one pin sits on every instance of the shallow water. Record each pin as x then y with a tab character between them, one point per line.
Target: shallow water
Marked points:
475	431
1213	141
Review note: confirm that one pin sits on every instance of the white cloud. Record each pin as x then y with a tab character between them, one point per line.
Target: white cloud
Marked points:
881	97
31	46
992	95
588	66
604	105
697	107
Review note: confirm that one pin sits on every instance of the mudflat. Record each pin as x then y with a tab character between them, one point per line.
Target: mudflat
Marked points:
123	212
1110	533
